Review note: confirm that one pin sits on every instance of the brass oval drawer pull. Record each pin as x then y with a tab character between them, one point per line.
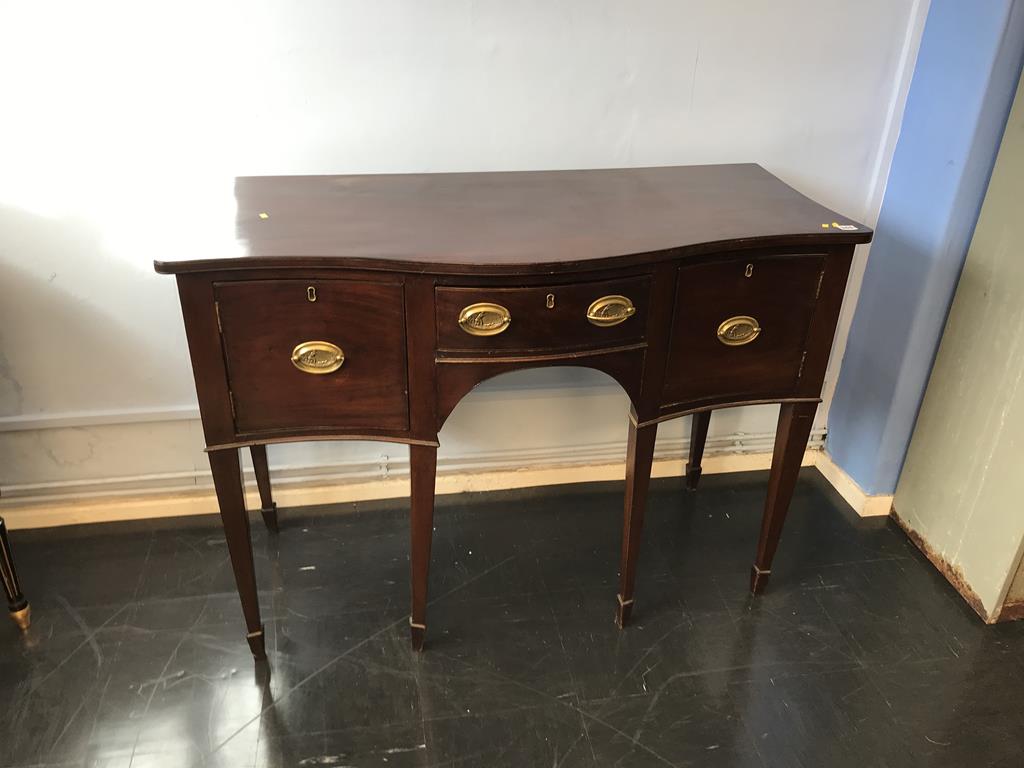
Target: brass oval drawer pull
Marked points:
484	319
610	310
317	357
739	330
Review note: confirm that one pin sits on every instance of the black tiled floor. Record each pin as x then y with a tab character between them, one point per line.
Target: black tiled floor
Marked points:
858	655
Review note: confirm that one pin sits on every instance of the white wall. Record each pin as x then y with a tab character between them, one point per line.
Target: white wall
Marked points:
123	125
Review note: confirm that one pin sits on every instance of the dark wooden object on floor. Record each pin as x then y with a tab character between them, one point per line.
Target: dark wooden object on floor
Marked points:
17	604
366	307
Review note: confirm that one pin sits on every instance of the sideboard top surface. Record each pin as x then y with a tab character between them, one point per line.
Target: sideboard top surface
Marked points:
518	221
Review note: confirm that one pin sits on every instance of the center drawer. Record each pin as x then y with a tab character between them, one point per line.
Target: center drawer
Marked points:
542	318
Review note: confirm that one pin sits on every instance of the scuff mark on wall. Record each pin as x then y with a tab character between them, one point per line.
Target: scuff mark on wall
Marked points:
693	79
74	446
12	396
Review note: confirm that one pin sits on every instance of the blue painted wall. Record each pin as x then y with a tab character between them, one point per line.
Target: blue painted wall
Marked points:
960	95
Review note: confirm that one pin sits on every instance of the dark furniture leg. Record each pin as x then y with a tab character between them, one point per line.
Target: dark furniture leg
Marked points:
790	443
21	613
639	455
423	466
268	509
227	477
698	436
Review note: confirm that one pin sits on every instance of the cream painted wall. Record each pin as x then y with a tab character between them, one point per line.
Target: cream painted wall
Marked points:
962	483
124	124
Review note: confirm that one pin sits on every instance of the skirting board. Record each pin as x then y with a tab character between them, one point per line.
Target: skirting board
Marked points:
863	503
202	501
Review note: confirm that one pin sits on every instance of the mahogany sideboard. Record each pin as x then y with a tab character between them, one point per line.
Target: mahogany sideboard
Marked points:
365	307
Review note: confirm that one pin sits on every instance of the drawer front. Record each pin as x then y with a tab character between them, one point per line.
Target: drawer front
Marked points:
356	376
740	326
542	318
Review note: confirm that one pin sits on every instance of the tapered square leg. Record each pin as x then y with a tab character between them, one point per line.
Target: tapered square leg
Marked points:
17	605
227	478
423	468
639	455
791	436
268	509
698	437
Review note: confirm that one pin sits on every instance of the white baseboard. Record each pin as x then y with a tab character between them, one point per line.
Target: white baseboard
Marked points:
191	493
863	503
103	500
389	463
293	490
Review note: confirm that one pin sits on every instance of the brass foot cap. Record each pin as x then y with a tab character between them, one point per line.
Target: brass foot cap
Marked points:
256	644
623	611
22	617
758	580
418	634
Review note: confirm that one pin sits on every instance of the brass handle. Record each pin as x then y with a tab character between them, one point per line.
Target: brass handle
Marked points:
484	319
610	310
318	357
738	330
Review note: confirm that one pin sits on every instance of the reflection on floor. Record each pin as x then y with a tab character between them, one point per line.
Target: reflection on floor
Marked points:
858	655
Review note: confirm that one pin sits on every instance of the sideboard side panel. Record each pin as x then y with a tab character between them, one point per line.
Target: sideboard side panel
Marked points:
200	314
824	321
